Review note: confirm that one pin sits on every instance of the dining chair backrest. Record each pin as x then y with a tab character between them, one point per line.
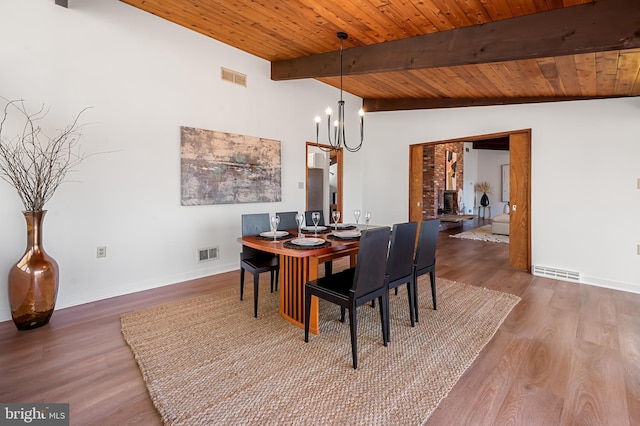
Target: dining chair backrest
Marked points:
309	222
255	223
426	249
287	221
257	261
403	242
369	274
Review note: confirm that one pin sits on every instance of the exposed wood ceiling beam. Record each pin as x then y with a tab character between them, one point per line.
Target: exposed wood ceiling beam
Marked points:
604	25
373	105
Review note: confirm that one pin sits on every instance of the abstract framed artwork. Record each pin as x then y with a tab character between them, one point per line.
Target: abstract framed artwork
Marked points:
225	168
450	171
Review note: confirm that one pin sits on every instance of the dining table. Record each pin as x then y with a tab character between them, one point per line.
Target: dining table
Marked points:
299	264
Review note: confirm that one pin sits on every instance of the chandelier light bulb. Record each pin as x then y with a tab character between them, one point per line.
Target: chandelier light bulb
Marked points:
317	119
335	123
328	111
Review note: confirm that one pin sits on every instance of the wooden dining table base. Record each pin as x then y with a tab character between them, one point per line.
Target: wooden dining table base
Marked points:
294	273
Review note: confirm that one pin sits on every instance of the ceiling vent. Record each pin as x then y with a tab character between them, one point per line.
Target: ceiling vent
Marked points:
234	76
558	274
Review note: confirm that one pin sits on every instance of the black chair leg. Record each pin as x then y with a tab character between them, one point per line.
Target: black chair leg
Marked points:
328	268
384	319
415	296
272	276
354	338
433	288
342	313
411	303
277	278
307	314
256	281
241	283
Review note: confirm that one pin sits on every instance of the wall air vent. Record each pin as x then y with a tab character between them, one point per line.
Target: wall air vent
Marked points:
234	76
557	274
207	254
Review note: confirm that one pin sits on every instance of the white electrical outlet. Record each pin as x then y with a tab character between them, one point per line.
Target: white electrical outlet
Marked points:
301	184
101	251
638	183
638	249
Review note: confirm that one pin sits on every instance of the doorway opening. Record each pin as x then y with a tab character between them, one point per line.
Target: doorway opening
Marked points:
519	198
324	179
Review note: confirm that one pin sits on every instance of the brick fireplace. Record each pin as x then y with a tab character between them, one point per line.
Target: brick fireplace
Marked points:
433	169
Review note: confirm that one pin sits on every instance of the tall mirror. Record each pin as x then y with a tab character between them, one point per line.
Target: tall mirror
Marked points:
324	179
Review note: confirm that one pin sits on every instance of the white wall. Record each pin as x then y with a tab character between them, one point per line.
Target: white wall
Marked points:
489	170
585	202
144	78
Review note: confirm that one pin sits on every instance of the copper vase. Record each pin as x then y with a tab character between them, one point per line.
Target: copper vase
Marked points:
33	280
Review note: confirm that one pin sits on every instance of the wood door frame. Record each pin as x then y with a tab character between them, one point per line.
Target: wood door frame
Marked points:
339	154
519	251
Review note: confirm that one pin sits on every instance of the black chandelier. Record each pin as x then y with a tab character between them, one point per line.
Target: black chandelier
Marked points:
339	140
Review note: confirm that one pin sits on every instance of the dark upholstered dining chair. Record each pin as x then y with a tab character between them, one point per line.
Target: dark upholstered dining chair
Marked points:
256	261
400	262
309	222
287	221
356	286
425	259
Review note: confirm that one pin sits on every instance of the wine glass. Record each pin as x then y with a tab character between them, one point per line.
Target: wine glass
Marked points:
367	218
356	213
336	217
275	221
300	221
315	217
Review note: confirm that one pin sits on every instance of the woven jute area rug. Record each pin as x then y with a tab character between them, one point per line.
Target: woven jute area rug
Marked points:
482	233
207	361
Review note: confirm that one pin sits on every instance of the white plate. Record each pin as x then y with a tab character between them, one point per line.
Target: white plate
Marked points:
307	241
269	234
312	228
342	225
347	234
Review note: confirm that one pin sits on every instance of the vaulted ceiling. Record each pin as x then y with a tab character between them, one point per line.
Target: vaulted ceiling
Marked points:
419	54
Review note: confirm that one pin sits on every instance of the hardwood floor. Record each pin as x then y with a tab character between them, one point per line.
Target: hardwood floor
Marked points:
567	354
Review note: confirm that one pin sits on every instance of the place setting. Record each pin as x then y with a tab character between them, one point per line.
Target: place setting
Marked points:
274	235
347	232
315	228
302	242
335	215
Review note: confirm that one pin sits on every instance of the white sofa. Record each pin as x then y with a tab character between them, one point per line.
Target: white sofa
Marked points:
500	224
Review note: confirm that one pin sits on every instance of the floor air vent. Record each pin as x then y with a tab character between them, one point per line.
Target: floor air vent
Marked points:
233	76
208	254
558	274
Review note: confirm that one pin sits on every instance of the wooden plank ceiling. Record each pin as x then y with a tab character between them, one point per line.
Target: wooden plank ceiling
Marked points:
418	54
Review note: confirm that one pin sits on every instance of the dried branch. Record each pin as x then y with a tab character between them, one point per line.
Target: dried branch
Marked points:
34	163
484	187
